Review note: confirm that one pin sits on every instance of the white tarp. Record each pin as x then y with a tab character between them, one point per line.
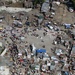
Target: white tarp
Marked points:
1	44
22	38
58	3
58	51
4	70
3	53
37	67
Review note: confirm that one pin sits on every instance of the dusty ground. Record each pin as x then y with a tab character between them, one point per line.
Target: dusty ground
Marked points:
63	15
68	18
48	39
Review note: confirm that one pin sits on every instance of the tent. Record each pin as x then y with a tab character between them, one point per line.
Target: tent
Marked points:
40	51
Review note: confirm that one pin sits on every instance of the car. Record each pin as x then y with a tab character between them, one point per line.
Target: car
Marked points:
17	23
71	9
70	6
50	27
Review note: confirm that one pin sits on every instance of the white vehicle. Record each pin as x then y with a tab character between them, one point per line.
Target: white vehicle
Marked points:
50	27
71	9
17	23
52	13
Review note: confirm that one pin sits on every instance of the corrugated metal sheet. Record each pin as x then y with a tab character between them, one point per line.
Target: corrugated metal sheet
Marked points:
45	7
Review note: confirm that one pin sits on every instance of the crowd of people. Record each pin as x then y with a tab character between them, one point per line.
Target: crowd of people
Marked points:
22	54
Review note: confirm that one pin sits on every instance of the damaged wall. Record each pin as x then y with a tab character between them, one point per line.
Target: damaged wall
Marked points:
14	1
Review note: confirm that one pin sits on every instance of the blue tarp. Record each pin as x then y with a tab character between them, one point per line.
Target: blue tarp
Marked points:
67	25
40	51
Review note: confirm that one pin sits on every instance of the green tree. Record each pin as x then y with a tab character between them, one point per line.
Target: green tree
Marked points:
39	1
73	2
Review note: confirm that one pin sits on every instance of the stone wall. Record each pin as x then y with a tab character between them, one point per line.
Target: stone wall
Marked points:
13	9
14	1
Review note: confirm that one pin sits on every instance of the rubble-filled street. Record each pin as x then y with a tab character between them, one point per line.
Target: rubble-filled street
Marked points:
37	40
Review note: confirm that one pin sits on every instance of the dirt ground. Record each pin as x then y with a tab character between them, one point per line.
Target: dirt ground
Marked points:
63	15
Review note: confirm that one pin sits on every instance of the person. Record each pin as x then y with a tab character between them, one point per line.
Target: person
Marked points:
33	2
44	14
31	48
15	47
73	65
50	6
